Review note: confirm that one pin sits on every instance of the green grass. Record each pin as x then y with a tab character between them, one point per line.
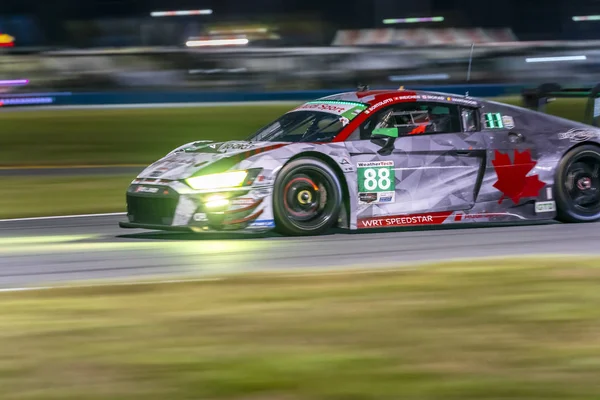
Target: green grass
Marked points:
52	195
573	109
518	329
140	136
129	136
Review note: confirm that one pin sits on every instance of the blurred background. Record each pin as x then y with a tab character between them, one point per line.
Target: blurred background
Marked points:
520	328
63	47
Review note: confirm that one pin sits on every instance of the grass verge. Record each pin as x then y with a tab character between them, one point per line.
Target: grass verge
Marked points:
57	195
127	136
519	329
140	136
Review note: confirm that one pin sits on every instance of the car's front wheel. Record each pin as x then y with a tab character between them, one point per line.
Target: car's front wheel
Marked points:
578	185
307	197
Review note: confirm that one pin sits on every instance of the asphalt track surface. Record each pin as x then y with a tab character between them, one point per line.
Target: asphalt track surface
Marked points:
46	252
57	251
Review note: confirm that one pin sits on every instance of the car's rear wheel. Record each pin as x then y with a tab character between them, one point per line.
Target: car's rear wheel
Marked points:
307	197
577	188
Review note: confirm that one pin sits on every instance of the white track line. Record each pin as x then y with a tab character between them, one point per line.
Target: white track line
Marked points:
216	279
351	270
98	285
61	217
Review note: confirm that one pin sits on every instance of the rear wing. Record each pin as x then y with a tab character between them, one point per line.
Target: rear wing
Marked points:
539	97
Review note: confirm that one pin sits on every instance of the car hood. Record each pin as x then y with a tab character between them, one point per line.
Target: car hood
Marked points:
214	157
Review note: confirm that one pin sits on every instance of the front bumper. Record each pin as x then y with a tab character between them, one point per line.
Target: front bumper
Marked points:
174	206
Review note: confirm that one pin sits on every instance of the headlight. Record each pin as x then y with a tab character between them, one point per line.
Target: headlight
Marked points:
217	181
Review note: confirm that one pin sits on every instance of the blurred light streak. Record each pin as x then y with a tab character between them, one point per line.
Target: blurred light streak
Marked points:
180	13
430	77
412	20
217	70
111	284
37	94
217	42
237	31
552	59
29	240
586	18
14	82
25	101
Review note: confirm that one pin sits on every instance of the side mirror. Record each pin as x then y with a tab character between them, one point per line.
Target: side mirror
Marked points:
385	138
385	132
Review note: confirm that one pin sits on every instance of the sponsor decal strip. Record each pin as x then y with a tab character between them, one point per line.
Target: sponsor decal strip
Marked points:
402	97
245	219
263	223
436	218
404	220
246	208
464	217
545	206
577	135
333	107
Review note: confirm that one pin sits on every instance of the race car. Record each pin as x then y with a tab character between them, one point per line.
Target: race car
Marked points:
377	159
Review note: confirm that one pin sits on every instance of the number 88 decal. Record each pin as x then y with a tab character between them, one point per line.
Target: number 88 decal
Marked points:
377	179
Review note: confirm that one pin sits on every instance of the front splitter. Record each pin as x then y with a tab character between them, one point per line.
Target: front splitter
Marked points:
193	229
132	225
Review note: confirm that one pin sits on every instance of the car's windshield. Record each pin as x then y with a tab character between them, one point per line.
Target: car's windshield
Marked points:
316	121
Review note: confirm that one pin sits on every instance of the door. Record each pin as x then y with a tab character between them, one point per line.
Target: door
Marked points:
516	167
435	164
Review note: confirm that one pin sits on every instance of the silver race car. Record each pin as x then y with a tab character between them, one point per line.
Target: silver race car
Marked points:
375	159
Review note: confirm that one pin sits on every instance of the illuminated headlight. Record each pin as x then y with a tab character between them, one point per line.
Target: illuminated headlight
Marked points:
218	181
216	201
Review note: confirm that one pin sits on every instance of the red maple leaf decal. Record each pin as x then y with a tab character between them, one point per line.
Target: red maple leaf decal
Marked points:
513	181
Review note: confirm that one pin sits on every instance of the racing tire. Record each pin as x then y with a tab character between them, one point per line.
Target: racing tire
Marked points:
577	188
307	198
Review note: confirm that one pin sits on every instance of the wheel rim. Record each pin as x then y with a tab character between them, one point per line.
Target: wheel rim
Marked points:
305	198
583	183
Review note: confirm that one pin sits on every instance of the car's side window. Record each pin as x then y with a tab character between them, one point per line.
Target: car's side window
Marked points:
413	119
470	120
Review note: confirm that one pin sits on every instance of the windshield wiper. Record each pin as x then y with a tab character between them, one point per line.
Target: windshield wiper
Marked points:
320	131
283	129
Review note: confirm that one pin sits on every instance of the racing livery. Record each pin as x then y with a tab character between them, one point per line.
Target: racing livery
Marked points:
375	159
